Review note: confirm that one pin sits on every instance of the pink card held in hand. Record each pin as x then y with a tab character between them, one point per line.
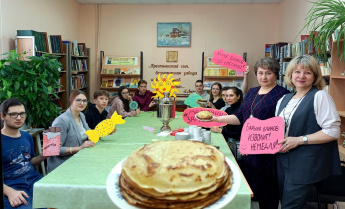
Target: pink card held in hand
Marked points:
51	143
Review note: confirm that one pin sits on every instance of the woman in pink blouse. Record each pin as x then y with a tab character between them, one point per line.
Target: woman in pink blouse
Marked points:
120	104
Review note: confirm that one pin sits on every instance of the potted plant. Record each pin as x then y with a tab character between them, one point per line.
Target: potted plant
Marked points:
323	19
32	81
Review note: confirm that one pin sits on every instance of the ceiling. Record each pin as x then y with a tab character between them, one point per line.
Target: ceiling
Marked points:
179	1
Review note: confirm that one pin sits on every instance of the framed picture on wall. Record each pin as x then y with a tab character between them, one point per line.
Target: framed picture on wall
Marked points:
172	56
175	34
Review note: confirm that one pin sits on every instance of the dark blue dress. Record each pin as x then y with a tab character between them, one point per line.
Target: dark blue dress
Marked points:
260	170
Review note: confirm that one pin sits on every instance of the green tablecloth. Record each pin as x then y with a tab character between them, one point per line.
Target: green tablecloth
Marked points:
80	182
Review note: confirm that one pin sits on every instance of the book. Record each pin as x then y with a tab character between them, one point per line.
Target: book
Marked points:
134	83
231	72
117	70
75	50
136	71
304	37
123	70
118	81
104	84
110	71
51	141
223	72
238	83
110	83
238	73
215	72
207	85
104	71
129	71
208	71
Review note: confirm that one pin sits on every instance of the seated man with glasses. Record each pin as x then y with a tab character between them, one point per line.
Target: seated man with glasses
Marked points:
18	156
73	127
144	96
120	104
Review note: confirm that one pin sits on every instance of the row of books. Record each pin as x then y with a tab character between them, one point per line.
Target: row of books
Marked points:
121	71
222	72
117	82
43	41
78	49
79	65
236	83
78	81
57	102
60	88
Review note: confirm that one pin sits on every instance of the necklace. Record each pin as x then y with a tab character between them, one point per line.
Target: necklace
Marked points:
286	120
251	107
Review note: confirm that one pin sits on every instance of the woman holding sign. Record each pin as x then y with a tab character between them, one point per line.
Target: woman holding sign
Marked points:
309	151
260	102
73	127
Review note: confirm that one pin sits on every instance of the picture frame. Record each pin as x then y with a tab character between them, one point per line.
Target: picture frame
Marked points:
173	34
171	56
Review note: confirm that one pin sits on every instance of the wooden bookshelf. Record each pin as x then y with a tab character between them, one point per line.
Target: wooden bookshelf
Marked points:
336	90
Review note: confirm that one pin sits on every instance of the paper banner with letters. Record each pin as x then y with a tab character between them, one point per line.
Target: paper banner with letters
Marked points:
51	141
231	60
189	117
262	136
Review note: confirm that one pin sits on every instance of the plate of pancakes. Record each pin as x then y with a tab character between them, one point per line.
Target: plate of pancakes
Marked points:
204	116
178	174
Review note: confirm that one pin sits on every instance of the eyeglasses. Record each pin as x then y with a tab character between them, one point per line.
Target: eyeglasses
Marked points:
81	101
14	115
124	93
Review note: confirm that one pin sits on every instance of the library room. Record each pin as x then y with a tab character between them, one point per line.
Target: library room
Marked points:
152	103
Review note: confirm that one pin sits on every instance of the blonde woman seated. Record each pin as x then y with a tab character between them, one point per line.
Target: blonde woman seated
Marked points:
73	127
120	104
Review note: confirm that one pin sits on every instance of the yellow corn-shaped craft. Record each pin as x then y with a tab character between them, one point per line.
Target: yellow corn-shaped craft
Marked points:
105	127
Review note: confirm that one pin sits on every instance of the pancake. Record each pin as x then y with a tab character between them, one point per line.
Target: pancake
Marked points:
204	115
175	174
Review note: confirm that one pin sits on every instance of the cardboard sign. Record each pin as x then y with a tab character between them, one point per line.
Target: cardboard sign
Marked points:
51	141
262	136
231	60
192	99
189	117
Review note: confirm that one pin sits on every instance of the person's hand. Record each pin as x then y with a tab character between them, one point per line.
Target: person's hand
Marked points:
246	71
137	111
289	143
152	103
87	144
210	104
113	131
17	197
129	98
216	129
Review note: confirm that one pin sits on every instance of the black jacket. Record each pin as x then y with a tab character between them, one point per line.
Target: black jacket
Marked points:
232	131
93	117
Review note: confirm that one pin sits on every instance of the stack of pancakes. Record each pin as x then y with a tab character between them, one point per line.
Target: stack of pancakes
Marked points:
175	174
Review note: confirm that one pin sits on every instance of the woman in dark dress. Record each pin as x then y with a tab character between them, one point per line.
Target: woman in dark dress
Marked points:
260	102
216	101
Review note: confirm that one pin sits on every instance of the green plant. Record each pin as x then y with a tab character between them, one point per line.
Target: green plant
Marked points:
325	16
33	82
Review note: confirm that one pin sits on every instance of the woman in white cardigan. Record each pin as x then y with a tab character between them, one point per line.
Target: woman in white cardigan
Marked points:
73	127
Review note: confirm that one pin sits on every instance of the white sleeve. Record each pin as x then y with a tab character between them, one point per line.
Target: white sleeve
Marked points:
326	114
278	105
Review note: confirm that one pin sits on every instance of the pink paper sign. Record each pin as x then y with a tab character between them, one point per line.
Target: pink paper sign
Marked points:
189	117
262	136
231	60
51	143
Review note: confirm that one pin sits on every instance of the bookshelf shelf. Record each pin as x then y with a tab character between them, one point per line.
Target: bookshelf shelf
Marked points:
76	72
224	77
121	75
82	57
116	88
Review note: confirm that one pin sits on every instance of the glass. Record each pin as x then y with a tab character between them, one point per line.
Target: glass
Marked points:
81	101
124	93
14	115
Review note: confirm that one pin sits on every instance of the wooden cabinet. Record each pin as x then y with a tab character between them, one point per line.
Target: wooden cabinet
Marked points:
337	88
62	92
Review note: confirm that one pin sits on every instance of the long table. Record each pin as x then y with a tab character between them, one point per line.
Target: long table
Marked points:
80	182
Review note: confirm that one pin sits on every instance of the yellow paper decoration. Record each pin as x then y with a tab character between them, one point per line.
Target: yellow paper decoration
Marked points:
105	127
165	85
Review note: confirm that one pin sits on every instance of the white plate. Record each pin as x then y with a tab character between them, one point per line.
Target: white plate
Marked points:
115	195
204	120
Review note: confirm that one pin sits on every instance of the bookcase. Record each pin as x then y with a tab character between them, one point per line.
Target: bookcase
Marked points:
336	89
216	73
121	71
79	70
